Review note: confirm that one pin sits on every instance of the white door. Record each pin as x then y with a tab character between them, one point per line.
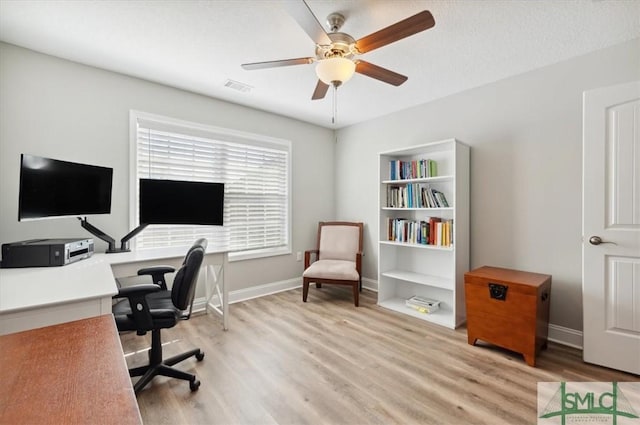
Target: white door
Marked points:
611	227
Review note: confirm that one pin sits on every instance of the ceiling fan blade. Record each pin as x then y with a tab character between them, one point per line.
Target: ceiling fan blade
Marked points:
380	73
412	25
320	91
274	64
303	15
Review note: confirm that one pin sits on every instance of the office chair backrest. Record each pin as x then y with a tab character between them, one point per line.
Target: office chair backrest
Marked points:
184	283
200	243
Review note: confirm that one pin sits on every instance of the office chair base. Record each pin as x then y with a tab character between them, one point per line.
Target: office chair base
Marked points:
150	372
158	367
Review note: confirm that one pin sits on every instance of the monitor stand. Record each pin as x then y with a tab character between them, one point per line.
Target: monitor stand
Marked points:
101	235
124	242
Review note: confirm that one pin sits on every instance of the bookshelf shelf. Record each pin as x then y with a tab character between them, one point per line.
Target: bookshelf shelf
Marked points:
417	246
422	180
423	245
421	279
413	209
441	317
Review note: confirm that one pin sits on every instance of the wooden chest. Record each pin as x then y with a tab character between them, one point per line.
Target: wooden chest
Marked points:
508	308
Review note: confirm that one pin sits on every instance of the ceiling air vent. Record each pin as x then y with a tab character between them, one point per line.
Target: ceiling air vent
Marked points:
236	85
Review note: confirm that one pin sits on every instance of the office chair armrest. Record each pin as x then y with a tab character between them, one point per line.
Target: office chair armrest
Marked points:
137	296
157	273
307	257
137	290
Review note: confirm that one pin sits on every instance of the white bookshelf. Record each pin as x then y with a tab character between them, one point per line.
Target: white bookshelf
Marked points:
413	268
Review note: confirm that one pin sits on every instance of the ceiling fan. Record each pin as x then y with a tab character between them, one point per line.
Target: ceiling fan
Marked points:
336	51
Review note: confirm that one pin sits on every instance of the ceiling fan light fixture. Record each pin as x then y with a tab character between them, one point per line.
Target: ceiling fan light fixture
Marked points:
335	69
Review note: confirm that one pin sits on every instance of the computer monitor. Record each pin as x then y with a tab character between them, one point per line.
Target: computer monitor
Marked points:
181	202
53	188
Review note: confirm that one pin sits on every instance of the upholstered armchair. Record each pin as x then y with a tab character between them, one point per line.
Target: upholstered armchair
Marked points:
337	258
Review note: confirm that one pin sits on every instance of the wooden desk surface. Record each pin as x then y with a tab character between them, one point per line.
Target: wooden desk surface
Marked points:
71	373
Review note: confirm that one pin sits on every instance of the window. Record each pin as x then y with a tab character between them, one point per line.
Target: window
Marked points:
255	170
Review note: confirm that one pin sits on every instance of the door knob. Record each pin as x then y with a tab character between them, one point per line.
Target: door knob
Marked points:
597	240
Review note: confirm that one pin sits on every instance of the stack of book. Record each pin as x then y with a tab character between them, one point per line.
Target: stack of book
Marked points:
417	169
415	195
422	304
433	231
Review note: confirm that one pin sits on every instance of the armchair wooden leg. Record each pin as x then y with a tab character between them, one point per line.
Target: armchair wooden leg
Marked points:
356	294
305	290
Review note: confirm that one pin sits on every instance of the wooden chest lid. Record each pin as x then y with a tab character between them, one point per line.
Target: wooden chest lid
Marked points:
520	281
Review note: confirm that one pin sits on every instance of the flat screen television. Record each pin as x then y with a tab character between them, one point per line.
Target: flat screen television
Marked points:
181	202
52	188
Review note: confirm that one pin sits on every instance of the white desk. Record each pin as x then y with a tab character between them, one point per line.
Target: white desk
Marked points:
42	296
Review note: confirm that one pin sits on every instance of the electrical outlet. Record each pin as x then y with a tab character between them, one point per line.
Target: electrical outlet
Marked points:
299	256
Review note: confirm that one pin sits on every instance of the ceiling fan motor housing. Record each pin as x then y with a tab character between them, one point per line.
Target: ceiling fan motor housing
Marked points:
342	45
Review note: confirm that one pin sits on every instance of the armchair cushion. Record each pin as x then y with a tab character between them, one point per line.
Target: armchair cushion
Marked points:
332	270
339	242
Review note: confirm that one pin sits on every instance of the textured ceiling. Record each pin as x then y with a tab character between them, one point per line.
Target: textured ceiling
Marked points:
199	45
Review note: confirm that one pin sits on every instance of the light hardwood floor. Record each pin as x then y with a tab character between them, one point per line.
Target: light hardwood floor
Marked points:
327	362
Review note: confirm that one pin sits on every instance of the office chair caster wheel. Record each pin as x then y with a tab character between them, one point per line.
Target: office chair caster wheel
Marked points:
200	356
194	385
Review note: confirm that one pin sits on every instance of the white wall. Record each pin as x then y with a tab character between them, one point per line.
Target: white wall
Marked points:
60	109
525	135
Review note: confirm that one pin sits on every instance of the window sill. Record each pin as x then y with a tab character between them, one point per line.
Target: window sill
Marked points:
258	253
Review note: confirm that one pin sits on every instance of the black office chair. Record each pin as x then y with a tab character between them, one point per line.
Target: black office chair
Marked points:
157	308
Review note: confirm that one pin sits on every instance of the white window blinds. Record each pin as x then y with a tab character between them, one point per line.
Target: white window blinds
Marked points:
254	169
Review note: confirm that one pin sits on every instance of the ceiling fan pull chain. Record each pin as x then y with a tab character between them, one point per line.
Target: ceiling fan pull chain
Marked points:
334	119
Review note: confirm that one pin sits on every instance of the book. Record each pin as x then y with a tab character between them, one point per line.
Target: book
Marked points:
432	230
433	168
418	299
422	304
441	200
420	309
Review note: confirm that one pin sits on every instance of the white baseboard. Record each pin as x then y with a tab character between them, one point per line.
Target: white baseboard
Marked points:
267	289
262	290
557	334
249	293
370	284
565	336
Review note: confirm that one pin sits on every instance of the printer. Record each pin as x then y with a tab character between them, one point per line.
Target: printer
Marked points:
45	252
